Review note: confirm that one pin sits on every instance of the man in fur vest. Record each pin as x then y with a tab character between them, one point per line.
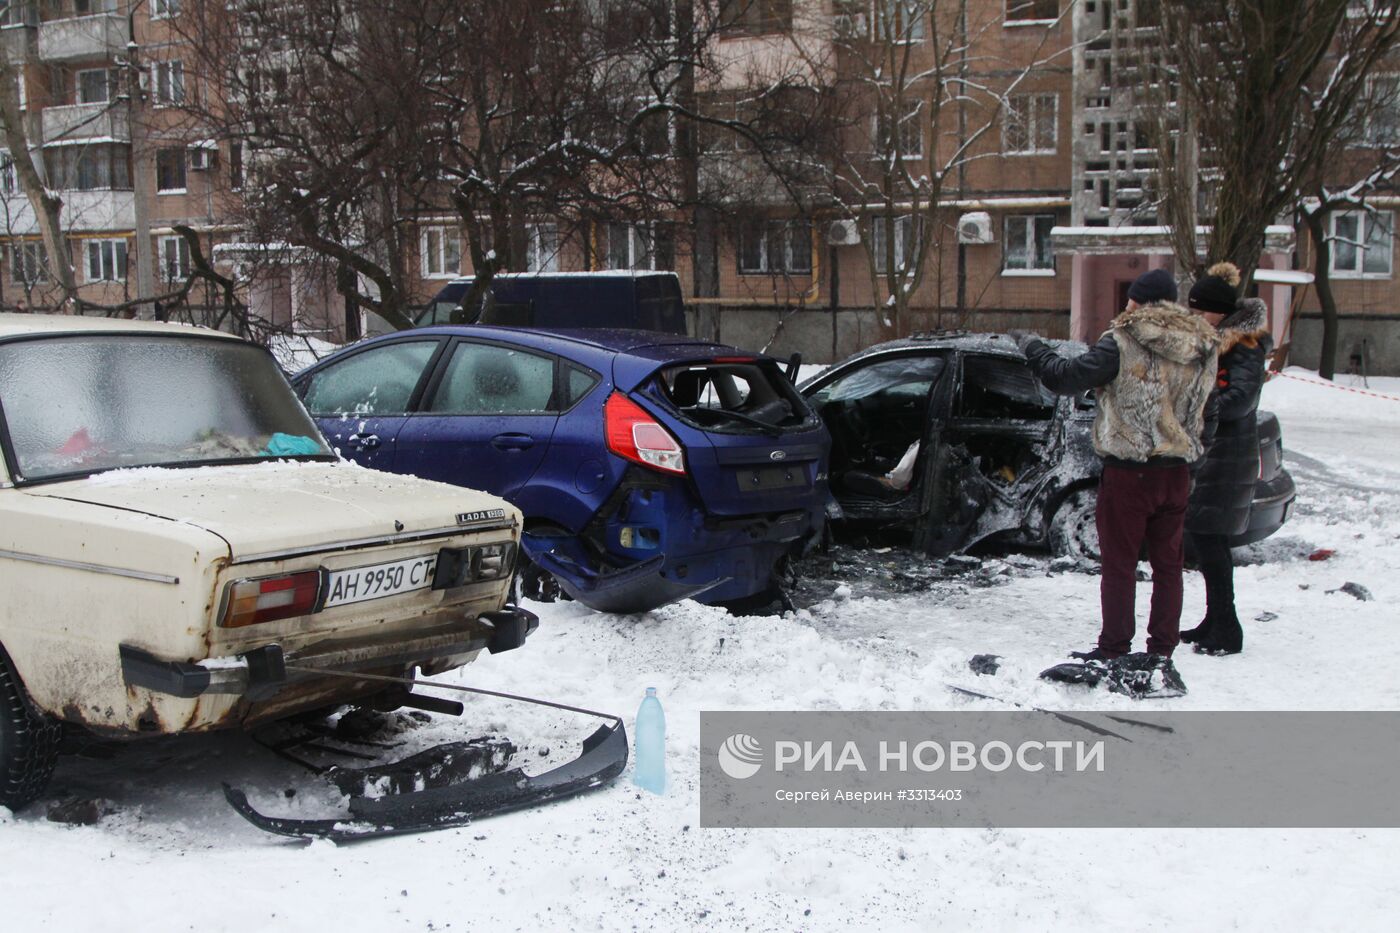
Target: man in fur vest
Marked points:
1153	372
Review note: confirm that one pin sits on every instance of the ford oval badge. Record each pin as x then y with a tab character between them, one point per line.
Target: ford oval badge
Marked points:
778	455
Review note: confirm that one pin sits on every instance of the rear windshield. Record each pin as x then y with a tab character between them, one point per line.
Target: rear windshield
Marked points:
740	397
82	404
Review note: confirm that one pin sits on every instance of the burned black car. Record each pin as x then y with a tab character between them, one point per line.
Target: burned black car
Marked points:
948	440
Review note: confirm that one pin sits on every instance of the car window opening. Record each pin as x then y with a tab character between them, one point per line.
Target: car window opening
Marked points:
734	397
877	416
995	388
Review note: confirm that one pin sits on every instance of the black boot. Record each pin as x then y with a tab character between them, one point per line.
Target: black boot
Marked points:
1201	632
1225	637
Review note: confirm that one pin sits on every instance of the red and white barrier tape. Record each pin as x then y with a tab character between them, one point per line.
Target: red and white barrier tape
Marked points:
1332	385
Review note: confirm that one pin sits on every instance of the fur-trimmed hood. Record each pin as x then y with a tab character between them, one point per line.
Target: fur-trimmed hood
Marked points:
1246	326
1169	330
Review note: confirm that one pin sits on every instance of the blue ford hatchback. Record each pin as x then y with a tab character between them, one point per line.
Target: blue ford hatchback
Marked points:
650	467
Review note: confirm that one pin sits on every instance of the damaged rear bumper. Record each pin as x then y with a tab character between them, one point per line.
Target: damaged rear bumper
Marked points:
261	672
738	562
603	758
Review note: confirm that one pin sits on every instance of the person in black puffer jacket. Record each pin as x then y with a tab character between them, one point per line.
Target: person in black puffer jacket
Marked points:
1225	476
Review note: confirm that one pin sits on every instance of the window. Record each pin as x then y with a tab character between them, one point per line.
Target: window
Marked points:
235	166
1027	245
106	260
29	263
909	144
905	242
168	82
995	389
174	259
900	20
1029	126
161	9
755	17
483	379
170	170
441	249
656	131
1362	243
88	7
96	85
1032	11
133	401
378	381
638	246
577	383
9	181
20	13
627	22
95	167
775	246
541	248
1383	116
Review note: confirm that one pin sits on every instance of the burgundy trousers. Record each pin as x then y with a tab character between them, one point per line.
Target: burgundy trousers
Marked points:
1137	506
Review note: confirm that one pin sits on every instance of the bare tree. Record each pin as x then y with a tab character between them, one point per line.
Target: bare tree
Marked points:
1358	112
45	203
1252	96
364	121
927	98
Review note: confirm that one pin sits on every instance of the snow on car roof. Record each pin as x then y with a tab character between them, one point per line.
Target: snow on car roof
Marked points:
21	325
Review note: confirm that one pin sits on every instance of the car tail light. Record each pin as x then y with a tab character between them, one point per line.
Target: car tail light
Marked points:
271	598
635	435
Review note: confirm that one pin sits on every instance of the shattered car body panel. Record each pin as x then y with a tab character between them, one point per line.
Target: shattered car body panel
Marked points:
998	456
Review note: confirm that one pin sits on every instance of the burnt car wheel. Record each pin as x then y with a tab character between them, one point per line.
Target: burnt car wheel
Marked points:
1073	531
28	742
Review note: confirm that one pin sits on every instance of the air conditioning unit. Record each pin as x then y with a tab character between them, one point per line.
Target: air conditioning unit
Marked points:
975	228
843	233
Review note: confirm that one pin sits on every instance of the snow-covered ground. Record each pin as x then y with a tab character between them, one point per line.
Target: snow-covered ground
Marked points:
171	855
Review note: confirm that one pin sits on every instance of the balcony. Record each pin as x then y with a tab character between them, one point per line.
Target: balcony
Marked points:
83	212
105	122
84	37
19	41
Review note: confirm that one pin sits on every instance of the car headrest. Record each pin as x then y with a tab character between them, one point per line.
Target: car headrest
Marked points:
495	377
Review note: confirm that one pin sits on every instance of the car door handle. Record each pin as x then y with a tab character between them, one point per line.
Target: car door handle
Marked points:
512	442
364	440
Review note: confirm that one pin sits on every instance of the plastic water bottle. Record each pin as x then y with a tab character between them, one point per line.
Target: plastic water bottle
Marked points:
650	769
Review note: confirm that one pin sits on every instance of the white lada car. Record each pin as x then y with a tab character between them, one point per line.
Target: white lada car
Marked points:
181	551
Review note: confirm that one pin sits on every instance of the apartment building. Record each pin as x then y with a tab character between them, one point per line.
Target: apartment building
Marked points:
98	82
1043	214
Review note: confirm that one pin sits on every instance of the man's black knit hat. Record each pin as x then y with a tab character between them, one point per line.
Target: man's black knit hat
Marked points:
1215	291
1152	286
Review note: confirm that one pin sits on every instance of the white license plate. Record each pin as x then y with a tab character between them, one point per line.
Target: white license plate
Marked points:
379	580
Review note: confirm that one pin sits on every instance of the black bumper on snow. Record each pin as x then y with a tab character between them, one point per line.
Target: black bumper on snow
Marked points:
261	672
603	758
1273	504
